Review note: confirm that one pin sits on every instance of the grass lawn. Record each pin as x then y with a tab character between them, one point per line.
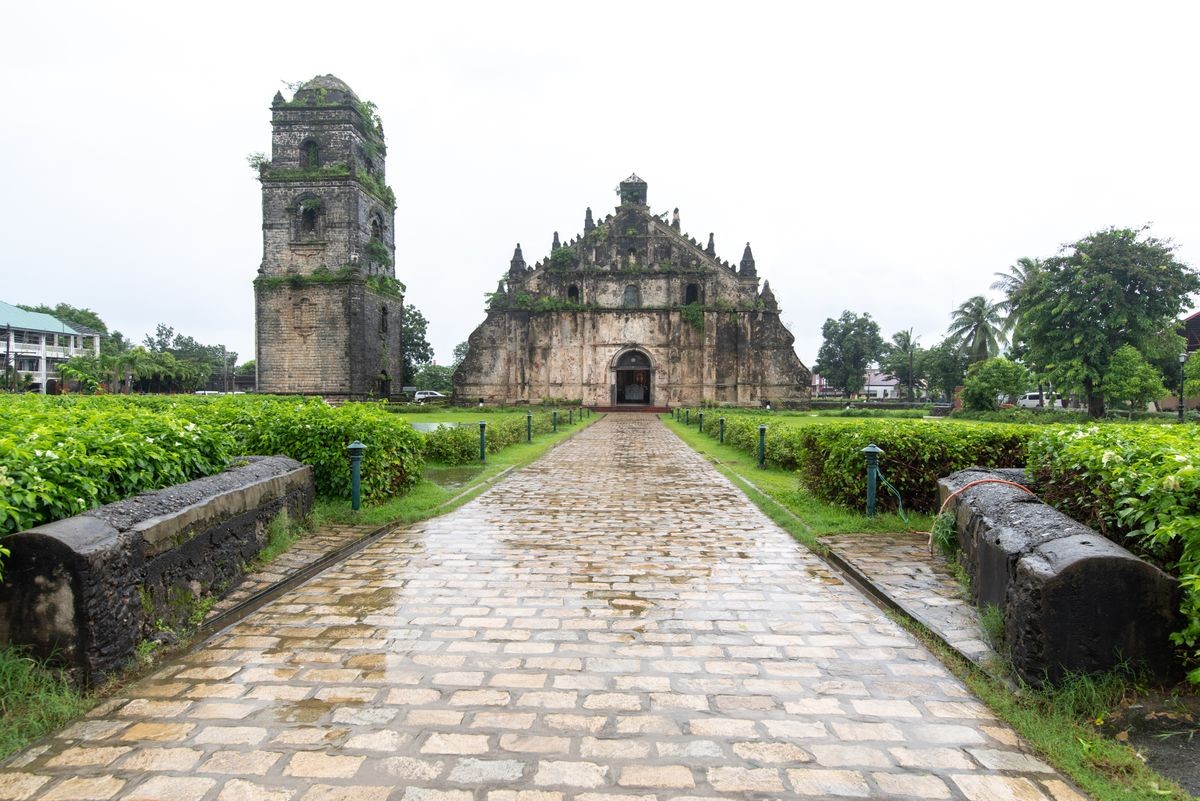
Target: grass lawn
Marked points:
778	493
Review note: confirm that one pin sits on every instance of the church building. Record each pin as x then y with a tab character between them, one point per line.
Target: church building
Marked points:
326	300
632	314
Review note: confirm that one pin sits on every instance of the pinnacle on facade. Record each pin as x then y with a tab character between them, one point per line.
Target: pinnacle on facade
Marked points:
768	297
747	265
710	249
675	219
556	244
517	265
588	223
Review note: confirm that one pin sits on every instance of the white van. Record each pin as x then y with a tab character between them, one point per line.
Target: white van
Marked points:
1047	400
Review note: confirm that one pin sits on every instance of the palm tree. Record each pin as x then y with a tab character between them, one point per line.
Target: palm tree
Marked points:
1013	284
977	328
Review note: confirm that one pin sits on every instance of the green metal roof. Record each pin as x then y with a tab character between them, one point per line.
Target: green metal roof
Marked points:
32	321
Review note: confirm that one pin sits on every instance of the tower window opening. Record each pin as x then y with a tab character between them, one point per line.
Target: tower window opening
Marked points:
310	155
573	293
632	298
308	221
383	319
691	294
376	229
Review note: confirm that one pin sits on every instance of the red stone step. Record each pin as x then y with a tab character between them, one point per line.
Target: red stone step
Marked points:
632	408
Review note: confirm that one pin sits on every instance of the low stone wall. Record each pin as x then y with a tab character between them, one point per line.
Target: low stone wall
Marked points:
86	590
1072	600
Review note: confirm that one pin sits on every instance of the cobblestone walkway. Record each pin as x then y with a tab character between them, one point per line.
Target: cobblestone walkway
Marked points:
615	621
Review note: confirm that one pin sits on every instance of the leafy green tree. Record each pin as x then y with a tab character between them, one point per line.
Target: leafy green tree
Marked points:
246	368
1131	380
988	380
851	342
417	350
1115	287
904	360
945	367
977	327
435	377
460	352
1012	284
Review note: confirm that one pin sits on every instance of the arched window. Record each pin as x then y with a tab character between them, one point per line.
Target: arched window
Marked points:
376	228
573	293
310	155
691	294
632	298
308	220
383	319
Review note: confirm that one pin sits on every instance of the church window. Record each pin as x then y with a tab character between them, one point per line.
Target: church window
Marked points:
310	155
376	229
632	298
573	293
383	319
691	294
634	359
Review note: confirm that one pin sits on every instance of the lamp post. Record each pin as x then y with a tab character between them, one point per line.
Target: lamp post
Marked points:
1183	357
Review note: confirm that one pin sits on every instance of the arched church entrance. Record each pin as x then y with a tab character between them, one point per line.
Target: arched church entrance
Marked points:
632	380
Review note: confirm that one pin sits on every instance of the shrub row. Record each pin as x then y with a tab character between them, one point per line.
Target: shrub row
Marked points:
61	456
460	444
829	459
1140	486
60	459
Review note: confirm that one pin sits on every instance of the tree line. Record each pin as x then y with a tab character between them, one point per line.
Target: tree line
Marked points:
1099	320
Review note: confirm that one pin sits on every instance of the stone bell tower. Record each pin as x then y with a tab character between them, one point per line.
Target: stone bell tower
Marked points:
328	306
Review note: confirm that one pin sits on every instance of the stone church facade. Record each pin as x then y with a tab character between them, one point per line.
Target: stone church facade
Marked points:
327	303
632	314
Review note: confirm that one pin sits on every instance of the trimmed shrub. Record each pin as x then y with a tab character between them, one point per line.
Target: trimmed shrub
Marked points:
915	455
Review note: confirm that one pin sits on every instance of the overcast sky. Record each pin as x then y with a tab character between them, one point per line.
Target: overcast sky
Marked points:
883	157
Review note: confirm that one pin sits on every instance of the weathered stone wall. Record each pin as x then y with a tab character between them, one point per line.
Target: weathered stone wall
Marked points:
1072	600
633	282
84	591
327	231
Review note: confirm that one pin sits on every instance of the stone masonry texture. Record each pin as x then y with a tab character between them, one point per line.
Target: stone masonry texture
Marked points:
615	621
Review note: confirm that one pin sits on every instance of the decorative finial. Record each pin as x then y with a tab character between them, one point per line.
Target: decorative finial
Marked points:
556	244
588	224
747	266
710	249
768	297
517	265
278	99
675	219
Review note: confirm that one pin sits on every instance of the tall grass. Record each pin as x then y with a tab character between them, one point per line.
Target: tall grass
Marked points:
34	699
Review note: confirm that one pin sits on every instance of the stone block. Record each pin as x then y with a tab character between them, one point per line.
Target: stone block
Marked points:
1072	600
81	590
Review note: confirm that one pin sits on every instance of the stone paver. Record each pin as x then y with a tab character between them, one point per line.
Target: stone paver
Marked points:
920	583
615	621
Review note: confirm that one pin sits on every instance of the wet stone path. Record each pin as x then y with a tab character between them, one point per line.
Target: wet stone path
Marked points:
615	621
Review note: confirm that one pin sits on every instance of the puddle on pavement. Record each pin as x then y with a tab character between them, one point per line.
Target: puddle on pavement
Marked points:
451	477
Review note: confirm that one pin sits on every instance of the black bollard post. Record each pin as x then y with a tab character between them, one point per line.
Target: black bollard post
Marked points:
554	419
529	426
762	445
722	422
483	440
700	422
872	452
356	449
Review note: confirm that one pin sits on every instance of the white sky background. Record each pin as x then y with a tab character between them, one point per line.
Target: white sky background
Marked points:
880	157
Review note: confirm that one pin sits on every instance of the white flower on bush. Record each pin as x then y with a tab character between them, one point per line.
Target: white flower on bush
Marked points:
1171	483
1110	456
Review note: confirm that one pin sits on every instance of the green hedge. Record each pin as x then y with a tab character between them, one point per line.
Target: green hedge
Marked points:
1140	486
60	459
828	455
60	456
460	444
915	455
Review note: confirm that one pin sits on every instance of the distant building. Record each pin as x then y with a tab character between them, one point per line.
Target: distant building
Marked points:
34	344
1191	331
876	385
632	314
